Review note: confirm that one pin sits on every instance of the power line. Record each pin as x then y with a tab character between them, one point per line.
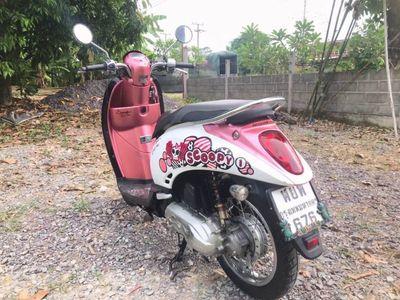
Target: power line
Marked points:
198	31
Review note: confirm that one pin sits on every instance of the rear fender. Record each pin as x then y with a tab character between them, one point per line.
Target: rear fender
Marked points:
300	244
194	147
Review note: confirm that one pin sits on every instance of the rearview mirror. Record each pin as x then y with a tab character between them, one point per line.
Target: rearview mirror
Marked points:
183	34
82	33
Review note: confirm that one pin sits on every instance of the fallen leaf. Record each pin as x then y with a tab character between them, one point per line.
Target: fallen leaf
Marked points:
75	188
24	295
371	259
370	297
366	183
91	249
135	289
360	155
396	255
9	161
363	275
40	294
220	272
305	274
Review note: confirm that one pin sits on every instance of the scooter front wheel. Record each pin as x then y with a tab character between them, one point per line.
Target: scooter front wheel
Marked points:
269	268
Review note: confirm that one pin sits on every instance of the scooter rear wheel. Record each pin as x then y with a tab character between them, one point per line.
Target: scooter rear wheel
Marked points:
269	269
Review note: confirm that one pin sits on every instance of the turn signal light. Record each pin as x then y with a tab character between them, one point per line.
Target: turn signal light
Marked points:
279	148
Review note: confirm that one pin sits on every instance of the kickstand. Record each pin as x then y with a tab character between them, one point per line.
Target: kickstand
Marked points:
177	258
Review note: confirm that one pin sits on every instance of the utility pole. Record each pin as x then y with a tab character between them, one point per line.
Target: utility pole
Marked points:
389	79
198	31
292	67
227	74
305	8
185	59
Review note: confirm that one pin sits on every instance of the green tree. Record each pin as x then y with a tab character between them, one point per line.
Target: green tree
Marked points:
279	37
306	43
374	9
36	35
367	47
173	47
196	55
30	36
280	51
250	47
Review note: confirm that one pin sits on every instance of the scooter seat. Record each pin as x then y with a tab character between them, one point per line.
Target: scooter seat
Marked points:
207	110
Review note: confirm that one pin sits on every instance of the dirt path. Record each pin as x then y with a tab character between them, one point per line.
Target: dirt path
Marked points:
65	229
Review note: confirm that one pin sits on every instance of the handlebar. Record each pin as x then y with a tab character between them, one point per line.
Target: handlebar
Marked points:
170	65
98	67
111	65
184	65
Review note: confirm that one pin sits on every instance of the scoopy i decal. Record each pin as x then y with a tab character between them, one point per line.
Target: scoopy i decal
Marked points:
197	151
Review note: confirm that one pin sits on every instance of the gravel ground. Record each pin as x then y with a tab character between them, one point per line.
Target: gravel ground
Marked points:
65	229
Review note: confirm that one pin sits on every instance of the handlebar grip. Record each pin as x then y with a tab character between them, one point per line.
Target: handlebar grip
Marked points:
184	65
98	67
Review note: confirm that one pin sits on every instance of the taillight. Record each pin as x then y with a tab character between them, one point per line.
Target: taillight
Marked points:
311	243
279	148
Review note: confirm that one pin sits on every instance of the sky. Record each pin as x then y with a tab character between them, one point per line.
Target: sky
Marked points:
223	20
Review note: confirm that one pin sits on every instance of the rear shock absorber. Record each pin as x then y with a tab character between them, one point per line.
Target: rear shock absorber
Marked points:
220	205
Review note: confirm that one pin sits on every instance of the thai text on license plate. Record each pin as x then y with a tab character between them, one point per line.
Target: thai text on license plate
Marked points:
297	206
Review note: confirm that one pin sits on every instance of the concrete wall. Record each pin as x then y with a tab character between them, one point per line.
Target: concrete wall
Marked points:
364	99
170	83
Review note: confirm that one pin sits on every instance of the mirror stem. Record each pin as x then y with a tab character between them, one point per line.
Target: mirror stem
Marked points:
166	51
101	49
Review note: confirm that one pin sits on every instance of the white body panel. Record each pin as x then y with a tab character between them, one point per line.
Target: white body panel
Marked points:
188	147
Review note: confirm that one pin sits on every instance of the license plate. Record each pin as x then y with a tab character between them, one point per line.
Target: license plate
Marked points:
297	207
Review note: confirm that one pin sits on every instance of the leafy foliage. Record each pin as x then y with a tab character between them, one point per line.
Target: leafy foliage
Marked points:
305	42
367	47
36	43
251	49
174	49
260	53
196	55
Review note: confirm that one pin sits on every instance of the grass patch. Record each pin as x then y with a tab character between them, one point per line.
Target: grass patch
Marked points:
4	138
62	284
177	97
62	137
11	220
191	99
365	226
82	205
345	252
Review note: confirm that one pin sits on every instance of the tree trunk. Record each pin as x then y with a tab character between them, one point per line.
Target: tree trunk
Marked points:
393	16
40	74
5	91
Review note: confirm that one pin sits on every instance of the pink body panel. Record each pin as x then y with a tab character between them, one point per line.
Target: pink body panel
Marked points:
131	122
248	137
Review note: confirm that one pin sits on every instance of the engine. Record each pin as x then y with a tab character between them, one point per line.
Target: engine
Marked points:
205	234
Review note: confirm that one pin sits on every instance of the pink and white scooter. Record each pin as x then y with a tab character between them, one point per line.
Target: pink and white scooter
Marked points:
223	174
